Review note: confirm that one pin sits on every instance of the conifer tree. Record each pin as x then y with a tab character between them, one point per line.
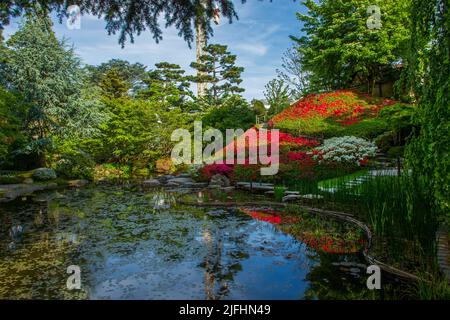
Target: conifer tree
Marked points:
113	84
166	83
131	18
131	73
218	69
48	74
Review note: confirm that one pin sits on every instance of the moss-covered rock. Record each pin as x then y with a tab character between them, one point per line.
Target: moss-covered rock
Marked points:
44	174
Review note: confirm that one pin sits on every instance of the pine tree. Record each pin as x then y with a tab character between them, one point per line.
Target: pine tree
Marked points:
131	17
218	69
167	83
131	73
113	84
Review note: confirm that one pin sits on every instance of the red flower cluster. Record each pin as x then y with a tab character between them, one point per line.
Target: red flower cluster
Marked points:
286	138
343	106
211	169
363	162
296	156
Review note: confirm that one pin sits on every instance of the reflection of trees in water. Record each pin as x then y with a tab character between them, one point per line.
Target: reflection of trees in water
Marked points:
328	280
220	265
332	278
18	218
38	252
212	264
163	200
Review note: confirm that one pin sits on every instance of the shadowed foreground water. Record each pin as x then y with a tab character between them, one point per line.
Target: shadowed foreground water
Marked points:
134	244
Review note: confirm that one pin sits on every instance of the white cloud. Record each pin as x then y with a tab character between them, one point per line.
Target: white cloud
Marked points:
258	38
256	48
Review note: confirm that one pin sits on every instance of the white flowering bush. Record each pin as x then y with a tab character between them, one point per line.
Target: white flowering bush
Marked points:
348	149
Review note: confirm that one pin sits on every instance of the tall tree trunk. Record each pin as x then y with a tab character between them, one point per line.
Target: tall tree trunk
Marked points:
200	44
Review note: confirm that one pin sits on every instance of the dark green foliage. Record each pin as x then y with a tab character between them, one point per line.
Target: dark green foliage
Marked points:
71	162
113	84
217	68
258	107
428	152
398	116
339	50
167	83
130	18
49	77
279	193
137	132
399	121
130	73
234	113
12	111
367	128
277	94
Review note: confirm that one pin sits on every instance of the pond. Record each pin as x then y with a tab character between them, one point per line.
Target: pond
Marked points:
140	244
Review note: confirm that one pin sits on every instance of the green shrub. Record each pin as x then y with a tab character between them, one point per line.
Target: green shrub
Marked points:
9	180
75	164
234	113
278	193
12	113
385	140
112	171
367	128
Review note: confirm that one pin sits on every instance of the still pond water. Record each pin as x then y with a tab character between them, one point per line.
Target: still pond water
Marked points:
137	244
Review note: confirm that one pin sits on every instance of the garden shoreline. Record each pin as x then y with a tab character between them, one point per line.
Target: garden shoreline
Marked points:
336	214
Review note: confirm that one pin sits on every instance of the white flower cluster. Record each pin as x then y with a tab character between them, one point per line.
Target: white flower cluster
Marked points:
348	149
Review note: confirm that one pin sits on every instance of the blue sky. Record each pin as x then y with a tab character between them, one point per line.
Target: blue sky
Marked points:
259	38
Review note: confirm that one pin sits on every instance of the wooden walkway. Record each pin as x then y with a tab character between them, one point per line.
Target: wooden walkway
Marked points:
443	251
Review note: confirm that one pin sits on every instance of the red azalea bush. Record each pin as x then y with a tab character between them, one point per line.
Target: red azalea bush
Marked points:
209	170
329	114
284	139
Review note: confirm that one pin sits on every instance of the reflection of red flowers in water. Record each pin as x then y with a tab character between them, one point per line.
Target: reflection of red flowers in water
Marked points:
270	216
330	245
324	243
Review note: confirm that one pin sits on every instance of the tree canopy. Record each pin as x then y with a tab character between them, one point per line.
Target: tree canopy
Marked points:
339	48
429	65
47	73
131	73
131	18
217	68
277	95
166	82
